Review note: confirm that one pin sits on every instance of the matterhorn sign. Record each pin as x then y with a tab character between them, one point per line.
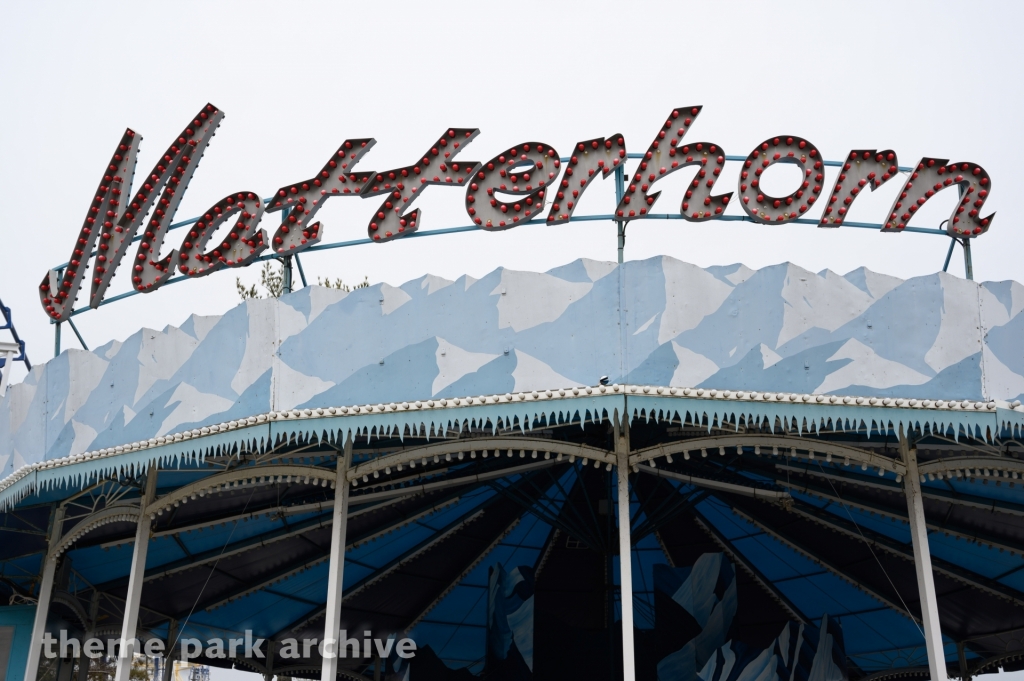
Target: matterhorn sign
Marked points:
519	185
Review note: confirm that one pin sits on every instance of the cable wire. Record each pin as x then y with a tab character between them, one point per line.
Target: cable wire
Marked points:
213	568
871	549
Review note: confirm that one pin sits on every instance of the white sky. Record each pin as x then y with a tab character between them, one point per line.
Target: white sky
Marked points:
296	79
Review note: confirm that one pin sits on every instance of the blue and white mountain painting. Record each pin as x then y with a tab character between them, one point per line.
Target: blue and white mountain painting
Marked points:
510	623
698	605
706	593
658	321
802	652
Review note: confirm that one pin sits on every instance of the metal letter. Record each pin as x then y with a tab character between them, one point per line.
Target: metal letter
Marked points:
172	172
58	293
780	210
931	177
296	234
666	157
115	216
239	248
591	158
865	168
522	171
390	221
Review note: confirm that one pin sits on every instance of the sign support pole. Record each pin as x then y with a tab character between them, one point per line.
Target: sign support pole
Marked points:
126	655
77	334
968	264
286	274
625	548
923	562
620	191
56	339
949	254
336	571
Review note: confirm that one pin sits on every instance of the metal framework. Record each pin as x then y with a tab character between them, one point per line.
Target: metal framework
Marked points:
10	352
783	488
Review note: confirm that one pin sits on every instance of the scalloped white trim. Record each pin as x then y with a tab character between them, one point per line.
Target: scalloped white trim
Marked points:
507	398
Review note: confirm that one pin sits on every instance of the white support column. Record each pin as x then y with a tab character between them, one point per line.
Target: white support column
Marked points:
336	571
45	592
135	577
923	563
621	434
8	351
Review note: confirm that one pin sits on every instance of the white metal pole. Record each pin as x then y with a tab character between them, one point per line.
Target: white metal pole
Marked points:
135	578
625	550
336	571
923	563
5	372
43	603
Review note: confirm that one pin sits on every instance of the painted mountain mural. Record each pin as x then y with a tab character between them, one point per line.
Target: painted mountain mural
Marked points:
658	321
694	612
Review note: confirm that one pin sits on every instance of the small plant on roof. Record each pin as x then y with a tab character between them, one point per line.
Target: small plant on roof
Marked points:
271	279
272	283
340	285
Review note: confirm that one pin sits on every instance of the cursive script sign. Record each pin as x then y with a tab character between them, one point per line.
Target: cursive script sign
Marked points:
505	191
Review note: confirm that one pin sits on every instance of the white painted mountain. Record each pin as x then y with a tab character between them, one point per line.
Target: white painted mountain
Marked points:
658	321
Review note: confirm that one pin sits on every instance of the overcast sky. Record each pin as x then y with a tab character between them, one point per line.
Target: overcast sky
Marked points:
296	79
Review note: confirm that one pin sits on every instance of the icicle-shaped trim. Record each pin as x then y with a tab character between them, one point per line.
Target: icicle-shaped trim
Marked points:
811	414
522	411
